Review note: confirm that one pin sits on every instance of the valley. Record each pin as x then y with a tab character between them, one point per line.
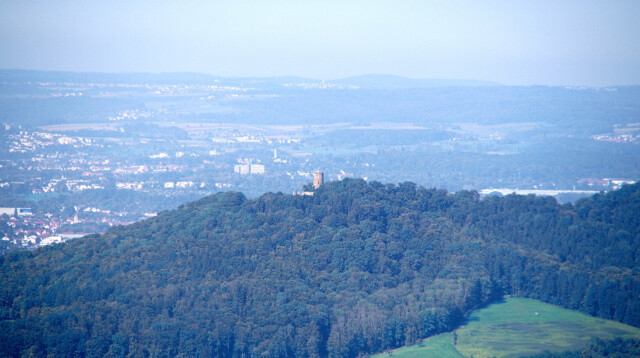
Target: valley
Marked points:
83	152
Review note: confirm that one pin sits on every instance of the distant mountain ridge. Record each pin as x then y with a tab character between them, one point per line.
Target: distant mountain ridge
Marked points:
354	269
369	81
398	82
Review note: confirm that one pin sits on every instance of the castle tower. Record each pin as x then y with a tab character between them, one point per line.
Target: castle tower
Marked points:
318	179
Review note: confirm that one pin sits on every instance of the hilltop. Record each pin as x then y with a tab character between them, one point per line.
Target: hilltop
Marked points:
356	268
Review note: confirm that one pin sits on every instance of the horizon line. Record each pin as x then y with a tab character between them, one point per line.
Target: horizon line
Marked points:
479	82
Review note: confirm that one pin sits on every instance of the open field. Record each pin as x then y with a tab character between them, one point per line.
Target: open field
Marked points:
82	126
519	327
494	130
437	346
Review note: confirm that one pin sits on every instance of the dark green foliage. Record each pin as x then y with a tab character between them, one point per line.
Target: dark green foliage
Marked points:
617	348
357	268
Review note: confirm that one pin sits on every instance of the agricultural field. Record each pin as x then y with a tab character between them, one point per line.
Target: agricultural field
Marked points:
518	327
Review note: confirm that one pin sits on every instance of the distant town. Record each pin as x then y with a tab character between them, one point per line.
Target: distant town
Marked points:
80	153
47	165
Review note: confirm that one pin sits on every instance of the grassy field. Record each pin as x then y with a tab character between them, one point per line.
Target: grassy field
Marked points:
437	346
519	327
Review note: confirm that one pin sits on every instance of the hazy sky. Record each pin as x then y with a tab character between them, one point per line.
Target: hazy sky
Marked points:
556	42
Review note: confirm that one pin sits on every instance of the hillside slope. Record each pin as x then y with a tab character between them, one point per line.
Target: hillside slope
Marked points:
522	327
357	268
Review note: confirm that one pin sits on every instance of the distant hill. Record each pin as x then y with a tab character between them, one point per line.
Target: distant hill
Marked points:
355	269
21	76
364	81
34	98
397	82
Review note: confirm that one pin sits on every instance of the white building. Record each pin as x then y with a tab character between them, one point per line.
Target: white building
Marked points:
157	156
257	169
242	168
8	211
51	240
24	212
184	184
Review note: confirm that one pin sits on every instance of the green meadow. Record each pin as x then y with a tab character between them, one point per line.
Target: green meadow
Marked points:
437	346
518	327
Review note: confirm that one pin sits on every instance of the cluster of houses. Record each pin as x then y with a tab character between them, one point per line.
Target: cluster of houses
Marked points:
22	228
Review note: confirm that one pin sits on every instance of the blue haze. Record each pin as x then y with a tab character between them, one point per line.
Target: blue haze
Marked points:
570	42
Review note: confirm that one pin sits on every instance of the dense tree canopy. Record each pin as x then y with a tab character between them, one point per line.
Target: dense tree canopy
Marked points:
357	268
617	348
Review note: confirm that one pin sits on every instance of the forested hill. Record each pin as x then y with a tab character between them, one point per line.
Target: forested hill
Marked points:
357	268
